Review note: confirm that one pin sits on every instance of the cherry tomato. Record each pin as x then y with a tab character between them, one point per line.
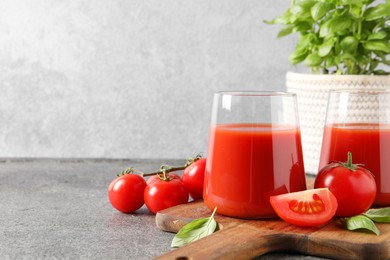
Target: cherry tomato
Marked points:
305	208
193	178
162	194
126	192
353	186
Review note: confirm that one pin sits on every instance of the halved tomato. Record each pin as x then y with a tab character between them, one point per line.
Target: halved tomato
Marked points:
305	208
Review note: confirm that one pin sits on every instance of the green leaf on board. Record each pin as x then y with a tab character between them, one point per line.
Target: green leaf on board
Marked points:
381	215
195	230
360	222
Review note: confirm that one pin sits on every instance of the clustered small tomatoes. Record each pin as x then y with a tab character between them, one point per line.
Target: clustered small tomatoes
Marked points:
130	192
353	186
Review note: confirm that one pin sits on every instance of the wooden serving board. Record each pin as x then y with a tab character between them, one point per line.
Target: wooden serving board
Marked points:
246	239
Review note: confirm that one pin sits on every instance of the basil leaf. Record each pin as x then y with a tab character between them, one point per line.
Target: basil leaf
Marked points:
298	55
305	41
337	24
377	36
350	2
302	27
377	12
302	9
313	60
355	11
301	50
285	31
286	18
360	222
195	230
320	9
378	215
349	44
381	72
326	47
377	45
330	61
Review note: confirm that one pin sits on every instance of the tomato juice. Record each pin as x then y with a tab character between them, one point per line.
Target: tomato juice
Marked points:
247	163
369	145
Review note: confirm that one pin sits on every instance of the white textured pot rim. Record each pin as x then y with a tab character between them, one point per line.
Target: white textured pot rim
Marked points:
255	93
295	75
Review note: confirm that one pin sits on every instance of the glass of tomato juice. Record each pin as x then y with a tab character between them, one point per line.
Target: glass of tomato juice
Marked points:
254	152
359	122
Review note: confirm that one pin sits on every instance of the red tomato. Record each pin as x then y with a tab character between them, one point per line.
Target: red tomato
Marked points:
305	208
162	194
353	186
193	178
126	192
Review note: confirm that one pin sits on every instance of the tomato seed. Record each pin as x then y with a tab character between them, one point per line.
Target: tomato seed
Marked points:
309	207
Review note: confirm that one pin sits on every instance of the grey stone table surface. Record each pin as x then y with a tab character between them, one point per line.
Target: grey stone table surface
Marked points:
58	209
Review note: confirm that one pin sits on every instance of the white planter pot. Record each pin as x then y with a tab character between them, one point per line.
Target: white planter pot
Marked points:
312	96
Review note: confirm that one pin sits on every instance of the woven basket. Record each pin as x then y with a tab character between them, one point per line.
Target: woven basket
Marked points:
312	96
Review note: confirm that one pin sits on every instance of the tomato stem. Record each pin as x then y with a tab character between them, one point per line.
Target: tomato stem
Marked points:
164	169
192	160
349	163
349	160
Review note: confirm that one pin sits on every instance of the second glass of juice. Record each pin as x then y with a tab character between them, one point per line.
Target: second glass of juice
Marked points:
254	152
359	122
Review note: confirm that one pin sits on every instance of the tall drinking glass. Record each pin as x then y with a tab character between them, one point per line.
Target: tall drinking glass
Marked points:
254	152
359	122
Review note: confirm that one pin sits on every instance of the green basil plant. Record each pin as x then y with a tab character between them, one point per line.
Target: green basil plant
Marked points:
339	36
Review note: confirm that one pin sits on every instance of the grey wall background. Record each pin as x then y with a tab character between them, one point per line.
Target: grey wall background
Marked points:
128	78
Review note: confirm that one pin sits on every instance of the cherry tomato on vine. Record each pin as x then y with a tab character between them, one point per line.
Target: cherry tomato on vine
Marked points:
306	208
126	192
353	186
162	194
193	178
